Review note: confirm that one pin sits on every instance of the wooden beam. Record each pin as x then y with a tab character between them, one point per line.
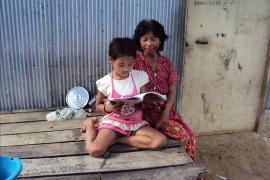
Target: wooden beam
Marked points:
45	150
23	117
56	150
29	117
190	171
40	126
145	159
41	137
116	162
63	149
83	176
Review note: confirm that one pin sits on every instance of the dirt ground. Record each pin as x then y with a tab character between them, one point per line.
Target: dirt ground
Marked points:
236	156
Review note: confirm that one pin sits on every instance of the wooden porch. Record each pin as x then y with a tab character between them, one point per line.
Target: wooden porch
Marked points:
55	150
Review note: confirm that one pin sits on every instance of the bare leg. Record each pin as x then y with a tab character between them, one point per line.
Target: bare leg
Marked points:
146	138
89	122
88	127
97	143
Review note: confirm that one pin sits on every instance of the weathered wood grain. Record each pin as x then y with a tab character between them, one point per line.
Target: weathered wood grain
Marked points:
41	137
60	165
56	150
23	117
63	149
116	162
39	126
187	172
29	117
83	176
122	148
146	159
45	150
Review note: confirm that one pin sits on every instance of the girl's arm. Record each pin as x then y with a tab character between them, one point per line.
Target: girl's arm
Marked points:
100	102
103	108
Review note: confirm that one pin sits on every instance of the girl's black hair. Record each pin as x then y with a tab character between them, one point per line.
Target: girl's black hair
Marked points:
122	47
146	26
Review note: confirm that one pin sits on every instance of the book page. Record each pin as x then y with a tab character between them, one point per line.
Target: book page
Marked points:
138	98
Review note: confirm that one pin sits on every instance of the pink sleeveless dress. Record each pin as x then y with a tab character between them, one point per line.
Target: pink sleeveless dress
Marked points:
129	119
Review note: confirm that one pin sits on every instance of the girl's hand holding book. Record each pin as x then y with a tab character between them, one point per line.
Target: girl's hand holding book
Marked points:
113	107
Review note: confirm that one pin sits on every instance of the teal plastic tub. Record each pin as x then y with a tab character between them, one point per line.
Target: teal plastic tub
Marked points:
10	167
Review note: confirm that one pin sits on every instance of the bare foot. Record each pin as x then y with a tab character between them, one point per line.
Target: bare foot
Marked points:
89	123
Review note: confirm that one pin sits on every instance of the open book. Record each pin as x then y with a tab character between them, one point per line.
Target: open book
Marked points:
138	98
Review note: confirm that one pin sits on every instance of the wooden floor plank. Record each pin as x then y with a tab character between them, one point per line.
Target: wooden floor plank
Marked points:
42	137
29	117
67	177
39	126
23	117
60	165
146	159
62	149
117	162
187	172
122	148
56	150
45	150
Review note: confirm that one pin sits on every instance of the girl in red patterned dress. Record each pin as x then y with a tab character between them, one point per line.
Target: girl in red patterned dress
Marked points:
149	37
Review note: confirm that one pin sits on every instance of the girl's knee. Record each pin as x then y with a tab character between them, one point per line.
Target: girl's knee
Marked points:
95	151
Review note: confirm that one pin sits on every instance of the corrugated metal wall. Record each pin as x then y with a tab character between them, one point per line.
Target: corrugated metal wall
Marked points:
267	99
49	46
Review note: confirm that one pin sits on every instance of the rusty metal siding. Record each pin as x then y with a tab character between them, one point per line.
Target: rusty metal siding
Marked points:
47	47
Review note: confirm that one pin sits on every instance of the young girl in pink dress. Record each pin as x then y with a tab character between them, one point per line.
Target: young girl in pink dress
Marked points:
121	121
149	37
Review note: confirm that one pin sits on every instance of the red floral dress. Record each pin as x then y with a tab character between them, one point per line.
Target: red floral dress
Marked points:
159	81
